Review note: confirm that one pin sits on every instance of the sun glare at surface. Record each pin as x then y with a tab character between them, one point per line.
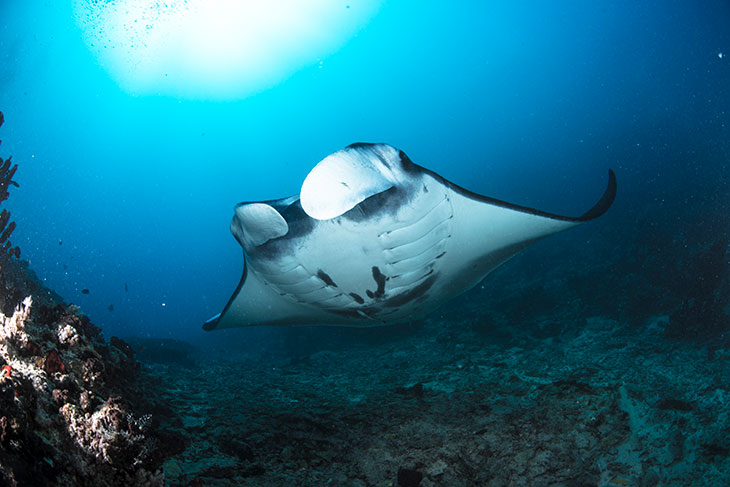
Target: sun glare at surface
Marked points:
214	49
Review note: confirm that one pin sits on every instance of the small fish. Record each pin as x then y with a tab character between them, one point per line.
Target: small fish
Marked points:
60	242
110	307
85	291
126	288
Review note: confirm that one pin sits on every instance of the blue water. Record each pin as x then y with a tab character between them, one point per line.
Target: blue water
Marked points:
130	195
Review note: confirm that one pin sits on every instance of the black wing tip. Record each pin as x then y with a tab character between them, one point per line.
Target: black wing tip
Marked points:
212	323
605	202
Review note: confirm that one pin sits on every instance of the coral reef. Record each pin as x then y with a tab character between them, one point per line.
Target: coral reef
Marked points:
10	295
7	171
63	419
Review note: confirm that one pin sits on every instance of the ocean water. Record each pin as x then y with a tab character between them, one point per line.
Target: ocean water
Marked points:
127	189
127	183
137	126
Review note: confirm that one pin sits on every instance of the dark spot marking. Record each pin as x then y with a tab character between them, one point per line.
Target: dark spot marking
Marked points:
380	281
85	291
441	255
357	298
326	278
408	296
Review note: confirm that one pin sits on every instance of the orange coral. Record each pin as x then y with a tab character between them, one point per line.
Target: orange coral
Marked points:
6	371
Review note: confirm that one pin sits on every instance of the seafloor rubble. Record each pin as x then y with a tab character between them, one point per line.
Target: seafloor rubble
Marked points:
455	403
561	370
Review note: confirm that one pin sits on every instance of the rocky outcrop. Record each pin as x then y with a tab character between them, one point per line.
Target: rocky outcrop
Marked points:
64	419
70	408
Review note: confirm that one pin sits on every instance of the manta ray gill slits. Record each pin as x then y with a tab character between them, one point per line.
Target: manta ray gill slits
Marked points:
214	49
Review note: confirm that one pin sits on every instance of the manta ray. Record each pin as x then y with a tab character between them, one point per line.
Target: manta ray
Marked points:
375	239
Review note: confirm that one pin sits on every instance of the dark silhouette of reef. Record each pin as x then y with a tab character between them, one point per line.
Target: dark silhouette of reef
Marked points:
7	171
74	409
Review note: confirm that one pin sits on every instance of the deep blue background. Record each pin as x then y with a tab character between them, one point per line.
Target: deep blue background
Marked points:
525	101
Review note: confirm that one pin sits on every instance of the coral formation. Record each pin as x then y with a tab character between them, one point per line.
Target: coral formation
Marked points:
63	421
62	417
7	171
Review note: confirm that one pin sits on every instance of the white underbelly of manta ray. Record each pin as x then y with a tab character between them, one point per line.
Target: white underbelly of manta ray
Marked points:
374	239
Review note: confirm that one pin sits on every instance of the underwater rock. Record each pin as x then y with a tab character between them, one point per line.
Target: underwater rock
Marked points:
62	417
123	346
54	363
416	390
674	404
649	479
31	349
409	478
61	397
714	450
236	448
